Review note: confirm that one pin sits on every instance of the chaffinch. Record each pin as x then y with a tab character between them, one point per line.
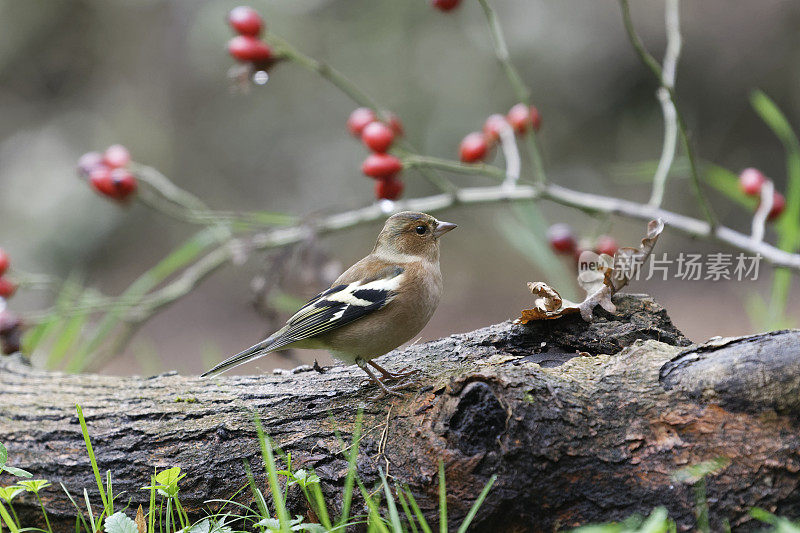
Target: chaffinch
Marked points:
374	306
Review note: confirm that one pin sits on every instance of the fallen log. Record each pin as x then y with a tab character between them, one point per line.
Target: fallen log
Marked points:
580	422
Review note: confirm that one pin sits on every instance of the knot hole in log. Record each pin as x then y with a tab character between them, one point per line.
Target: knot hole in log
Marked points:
478	421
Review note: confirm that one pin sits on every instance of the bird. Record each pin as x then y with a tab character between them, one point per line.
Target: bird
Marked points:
376	305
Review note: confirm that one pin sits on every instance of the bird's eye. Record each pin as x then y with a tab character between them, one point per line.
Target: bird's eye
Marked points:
421	229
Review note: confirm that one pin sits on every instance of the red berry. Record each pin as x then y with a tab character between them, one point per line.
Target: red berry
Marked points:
519	116
751	180
606	245
100	179
381	166
561	238
395	123
491	128
124	183
359	119
116	156
377	136
445	5
249	49
473	148
778	205
5	261
7	288
536	119
8	322
388	189
88	162
522	116
245	21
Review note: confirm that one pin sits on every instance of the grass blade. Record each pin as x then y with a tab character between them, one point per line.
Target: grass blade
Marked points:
417	511
727	183
442	499
269	464
375	518
475	506
394	516
89	449
406	509
80	513
67	337
321	509
260	501
352	457
151	512
7	519
176	260
89	510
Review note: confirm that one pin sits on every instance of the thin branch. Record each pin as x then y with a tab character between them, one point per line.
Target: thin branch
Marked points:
762	213
476	169
340	81
329	73
160	194
653	65
508	142
672	22
588	202
522	91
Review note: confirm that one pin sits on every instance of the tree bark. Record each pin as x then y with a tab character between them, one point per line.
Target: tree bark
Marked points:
580	422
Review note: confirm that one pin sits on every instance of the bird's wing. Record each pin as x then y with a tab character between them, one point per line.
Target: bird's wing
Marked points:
342	304
333	308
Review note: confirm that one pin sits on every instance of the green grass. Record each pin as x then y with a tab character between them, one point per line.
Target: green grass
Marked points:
390	509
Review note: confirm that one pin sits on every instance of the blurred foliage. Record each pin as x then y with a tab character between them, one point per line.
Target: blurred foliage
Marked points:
78	75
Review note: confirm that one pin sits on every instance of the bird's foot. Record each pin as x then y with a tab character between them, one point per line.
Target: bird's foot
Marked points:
405	373
392	376
389	391
392	391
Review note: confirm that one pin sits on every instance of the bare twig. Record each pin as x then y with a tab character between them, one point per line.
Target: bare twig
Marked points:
340	81
521	91
762	213
161	194
470	195
653	65
672	16
508	142
231	246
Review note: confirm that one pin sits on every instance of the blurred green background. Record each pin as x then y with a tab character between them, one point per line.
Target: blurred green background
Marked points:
81	75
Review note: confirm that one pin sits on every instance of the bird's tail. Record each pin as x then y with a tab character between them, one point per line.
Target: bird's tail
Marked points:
254	352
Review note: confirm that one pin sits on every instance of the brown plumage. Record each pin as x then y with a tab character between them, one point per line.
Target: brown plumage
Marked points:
376	305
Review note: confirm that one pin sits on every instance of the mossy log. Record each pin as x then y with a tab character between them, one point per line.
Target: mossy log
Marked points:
580	422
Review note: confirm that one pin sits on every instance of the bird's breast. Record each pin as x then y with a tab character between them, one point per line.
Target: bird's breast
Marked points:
399	321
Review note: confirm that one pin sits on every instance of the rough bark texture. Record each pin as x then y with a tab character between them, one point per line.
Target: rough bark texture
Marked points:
581	423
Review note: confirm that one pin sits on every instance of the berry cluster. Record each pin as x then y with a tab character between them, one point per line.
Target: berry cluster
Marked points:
10	325
378	136
477	146
751	180
107	172
7	287
563	241
246	46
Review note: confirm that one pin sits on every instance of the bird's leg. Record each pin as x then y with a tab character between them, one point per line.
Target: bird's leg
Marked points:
386	390
390	375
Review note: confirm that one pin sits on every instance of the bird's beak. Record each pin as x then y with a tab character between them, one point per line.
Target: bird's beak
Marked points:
442	228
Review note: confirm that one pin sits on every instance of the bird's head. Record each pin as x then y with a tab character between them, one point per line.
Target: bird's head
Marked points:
409	235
